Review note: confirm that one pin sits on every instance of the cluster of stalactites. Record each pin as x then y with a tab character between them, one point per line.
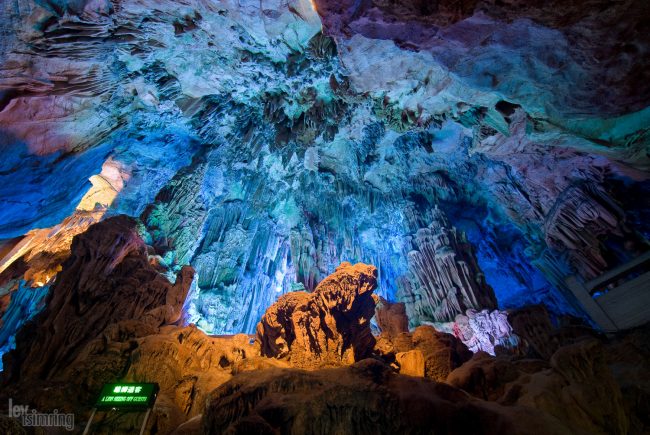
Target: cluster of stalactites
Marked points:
444	278
582	216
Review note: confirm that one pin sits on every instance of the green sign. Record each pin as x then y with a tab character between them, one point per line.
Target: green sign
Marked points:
127	396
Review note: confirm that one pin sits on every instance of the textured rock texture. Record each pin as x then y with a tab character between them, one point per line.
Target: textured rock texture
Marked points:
265	143
424	352
113	316
329	326
445	279
485	331
222	384
391	318
107	279
576	387
580	397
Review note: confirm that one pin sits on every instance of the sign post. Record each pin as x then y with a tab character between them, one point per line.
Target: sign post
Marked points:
126	397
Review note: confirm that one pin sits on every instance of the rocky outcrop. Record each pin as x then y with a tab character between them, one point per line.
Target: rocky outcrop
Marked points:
485	331
580	218
329	326
187	364
363	398
424	352
391	318
112	316
107	279
539	337
576	388
442	352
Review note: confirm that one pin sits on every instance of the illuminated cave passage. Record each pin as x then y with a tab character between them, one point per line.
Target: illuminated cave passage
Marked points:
436	196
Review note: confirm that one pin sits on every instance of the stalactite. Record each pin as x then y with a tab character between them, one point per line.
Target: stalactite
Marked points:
444	277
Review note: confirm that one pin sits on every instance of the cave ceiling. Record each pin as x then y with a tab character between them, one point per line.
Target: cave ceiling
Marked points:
266	142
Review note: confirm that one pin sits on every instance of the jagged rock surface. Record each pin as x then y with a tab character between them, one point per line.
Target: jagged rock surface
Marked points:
445	279
111	316
576	388
107	279
391	318
329	326
485	331
264	152
586	386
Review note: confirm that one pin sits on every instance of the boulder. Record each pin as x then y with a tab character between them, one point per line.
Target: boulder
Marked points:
391	318
330	326
576	387
106	279
442	352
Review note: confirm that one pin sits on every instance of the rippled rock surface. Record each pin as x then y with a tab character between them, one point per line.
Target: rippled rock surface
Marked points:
475	152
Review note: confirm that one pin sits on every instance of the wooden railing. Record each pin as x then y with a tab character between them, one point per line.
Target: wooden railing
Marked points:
618	299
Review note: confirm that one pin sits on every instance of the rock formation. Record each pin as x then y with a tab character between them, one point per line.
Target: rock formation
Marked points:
329	326
391	318
113	316
173	169
582	216
214	384
107	279
445	278
577	374
264	152
485	330
575	393
363	398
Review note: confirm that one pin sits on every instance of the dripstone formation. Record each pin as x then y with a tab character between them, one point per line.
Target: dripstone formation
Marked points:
323	216
567	380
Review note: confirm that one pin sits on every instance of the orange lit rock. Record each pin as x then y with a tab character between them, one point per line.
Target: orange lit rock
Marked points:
330	326
107	279
411	363
391	318
43	250
366	397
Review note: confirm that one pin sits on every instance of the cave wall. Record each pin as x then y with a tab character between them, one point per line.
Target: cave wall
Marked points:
265	143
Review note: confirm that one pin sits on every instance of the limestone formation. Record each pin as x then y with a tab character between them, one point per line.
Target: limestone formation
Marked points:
329	326
424	352
445	278
120	316
364	398
411	363
485	330
391	318
577	388
175	170
107	279
265	145
222	383
582	216
540	338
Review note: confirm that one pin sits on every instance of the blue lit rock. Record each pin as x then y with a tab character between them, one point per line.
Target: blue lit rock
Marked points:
264	153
